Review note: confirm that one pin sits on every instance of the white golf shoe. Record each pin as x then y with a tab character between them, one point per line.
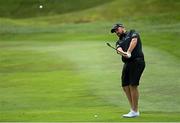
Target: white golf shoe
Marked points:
131	114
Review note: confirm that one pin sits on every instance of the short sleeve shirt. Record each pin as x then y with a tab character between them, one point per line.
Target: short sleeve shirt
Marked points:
124	42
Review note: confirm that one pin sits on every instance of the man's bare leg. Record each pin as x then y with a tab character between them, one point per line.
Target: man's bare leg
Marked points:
134	97
128	94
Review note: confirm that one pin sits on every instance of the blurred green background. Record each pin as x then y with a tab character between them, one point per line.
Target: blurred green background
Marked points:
55	65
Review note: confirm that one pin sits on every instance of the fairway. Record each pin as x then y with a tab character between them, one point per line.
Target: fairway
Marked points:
55	65
47	81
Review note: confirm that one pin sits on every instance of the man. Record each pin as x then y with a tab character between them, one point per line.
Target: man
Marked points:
130	47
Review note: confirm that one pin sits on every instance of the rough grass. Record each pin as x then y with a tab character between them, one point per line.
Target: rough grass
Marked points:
80	11
30	8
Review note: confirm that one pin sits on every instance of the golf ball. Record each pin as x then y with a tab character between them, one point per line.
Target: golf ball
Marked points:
41	6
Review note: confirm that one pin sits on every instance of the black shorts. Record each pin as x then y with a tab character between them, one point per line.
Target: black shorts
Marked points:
132	72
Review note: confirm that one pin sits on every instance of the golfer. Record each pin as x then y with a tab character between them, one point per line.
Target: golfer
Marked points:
130	47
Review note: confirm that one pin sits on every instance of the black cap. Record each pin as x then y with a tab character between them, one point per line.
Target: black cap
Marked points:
115	26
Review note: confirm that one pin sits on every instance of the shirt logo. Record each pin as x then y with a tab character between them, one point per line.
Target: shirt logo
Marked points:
126	38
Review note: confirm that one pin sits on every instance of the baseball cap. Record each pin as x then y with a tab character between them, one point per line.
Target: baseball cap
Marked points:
115	26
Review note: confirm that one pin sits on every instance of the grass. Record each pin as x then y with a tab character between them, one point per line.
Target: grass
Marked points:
57	67
30	8
51	81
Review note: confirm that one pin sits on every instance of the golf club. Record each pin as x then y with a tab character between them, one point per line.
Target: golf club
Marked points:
108	44
111	46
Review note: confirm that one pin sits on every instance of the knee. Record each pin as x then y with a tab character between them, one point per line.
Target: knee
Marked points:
125	88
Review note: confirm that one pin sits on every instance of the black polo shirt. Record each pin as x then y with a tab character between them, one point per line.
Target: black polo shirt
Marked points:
124	42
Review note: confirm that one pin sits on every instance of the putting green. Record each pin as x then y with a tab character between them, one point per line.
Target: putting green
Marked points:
75	81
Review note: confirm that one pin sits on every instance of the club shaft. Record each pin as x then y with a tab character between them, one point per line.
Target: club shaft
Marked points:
116	49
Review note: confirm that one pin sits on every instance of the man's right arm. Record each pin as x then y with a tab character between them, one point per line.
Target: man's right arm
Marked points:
119	49
121	52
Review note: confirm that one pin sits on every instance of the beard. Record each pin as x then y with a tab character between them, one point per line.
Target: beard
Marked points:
120	34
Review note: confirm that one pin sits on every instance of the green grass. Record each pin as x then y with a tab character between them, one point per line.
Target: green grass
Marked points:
80	11
66	73
59	81
30	8
55	65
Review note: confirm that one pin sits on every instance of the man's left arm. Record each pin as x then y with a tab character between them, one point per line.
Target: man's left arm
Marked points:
132	45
